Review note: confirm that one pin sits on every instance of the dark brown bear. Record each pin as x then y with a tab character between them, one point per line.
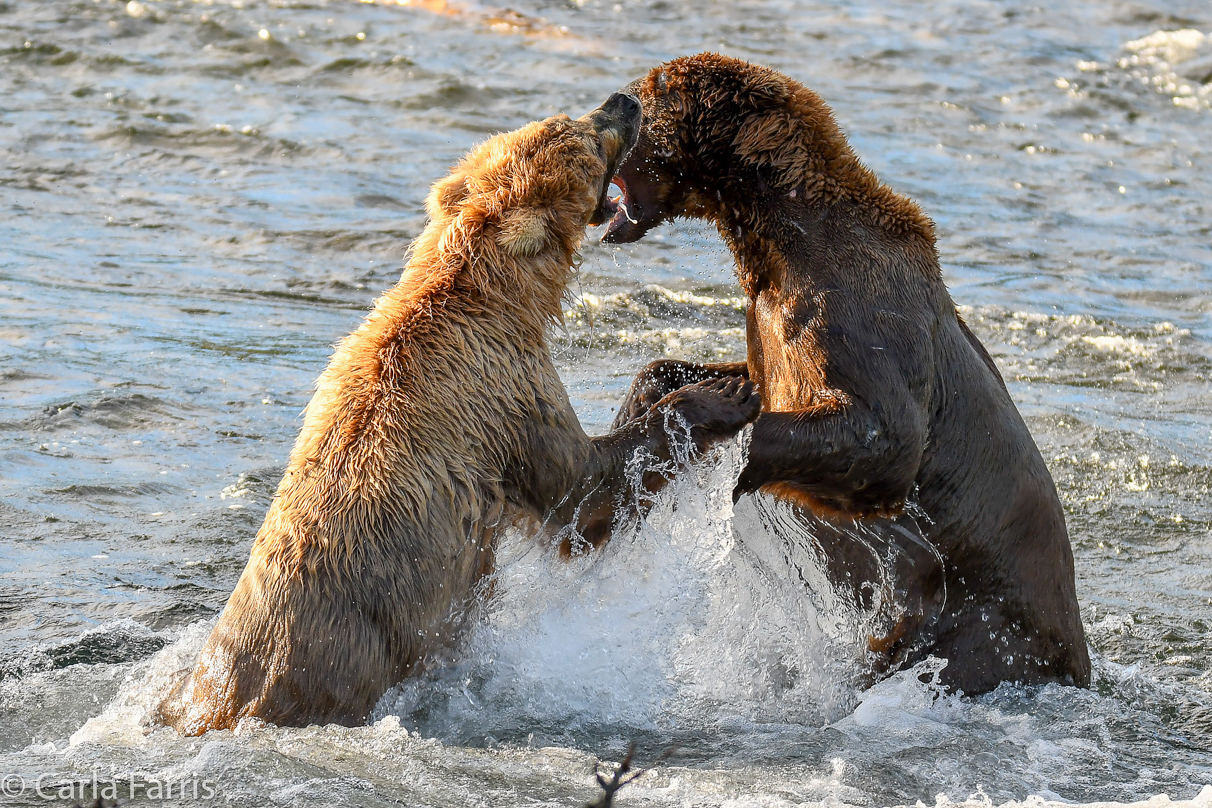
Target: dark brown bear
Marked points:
875	393
439	422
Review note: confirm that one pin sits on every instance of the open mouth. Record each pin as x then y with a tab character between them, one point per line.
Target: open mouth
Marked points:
618	215
628	221
610	205
608	208
617	122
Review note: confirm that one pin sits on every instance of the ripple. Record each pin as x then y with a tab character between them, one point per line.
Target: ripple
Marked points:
1086	351
117	412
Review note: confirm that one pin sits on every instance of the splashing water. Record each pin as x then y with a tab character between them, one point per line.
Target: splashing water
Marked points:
701	625
695	619
705	625
676	626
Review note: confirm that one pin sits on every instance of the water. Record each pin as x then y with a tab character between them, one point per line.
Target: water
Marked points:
194	211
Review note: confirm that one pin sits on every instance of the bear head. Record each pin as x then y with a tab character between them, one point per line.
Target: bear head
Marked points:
535	189
717	129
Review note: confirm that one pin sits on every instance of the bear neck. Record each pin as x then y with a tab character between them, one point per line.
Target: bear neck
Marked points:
780	245
775	174
811	203
463	268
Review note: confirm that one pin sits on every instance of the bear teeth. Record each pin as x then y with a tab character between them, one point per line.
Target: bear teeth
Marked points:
623	209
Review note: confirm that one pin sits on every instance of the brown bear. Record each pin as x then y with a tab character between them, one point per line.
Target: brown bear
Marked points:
439	421
874	391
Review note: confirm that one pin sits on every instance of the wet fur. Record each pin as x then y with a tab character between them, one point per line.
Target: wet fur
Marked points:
438	422
874	390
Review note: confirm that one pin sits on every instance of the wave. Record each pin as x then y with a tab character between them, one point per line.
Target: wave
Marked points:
696	627
117	412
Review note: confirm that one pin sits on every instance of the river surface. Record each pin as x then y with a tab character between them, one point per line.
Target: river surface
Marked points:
198	199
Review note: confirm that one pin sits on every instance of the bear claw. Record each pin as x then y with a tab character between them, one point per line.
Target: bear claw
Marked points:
715	409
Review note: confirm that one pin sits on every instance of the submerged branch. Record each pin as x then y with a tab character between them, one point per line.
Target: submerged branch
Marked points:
623	775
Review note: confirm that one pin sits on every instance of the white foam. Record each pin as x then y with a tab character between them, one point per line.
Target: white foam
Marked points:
126	719
1201	800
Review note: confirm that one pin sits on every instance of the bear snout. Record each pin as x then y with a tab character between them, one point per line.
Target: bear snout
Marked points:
617	123
627	104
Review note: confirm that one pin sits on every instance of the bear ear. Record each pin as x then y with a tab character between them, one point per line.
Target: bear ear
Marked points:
446	195
767	89
773	140
524	232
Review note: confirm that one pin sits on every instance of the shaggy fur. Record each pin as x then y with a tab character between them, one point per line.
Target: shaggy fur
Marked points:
874	390
438	422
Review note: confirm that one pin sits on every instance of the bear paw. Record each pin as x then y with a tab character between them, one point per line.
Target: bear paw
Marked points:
714	409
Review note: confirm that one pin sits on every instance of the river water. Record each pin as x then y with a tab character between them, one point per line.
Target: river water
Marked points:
199	199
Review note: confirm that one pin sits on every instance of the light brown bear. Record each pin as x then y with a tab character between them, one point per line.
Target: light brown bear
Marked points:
874	392
439	421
